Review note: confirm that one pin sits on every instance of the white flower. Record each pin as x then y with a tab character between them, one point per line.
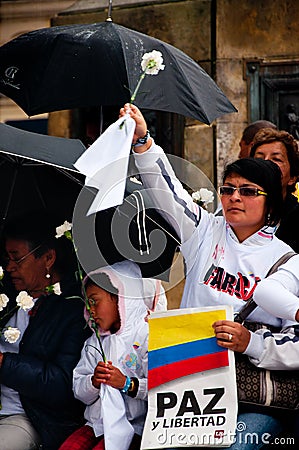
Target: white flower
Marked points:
135	180
203	196
1	272
24	301
66	226
56	288
152	62
11	335
3	301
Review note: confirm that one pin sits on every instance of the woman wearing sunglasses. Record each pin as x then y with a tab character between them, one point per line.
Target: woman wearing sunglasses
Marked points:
225	256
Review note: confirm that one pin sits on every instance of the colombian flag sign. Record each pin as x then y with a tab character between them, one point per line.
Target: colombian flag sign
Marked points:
188	347
191	381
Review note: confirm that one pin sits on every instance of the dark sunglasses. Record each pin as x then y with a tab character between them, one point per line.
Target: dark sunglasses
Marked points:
244	191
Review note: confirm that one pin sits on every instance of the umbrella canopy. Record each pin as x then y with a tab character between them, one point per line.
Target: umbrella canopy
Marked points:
37	173
74	66
120	233
57	151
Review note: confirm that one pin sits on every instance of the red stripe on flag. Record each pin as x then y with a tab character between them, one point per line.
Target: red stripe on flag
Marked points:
180	369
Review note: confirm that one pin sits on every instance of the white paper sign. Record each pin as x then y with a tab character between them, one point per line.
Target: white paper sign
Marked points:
192	384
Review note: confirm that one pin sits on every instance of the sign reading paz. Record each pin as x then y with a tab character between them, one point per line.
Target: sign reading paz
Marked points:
191	381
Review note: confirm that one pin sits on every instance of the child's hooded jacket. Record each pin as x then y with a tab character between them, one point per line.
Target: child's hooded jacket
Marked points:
127	349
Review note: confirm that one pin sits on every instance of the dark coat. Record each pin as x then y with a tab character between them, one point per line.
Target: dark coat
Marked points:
42	370
288	230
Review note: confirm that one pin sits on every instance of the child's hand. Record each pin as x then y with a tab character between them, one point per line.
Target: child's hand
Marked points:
100	375
108	374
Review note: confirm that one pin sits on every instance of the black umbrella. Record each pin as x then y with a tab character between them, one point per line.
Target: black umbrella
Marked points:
120	233
42	148
37	173
74	66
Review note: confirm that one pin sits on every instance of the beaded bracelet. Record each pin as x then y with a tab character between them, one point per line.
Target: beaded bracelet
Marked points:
142	140
127	385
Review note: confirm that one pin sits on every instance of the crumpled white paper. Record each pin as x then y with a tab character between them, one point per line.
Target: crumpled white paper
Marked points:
105	164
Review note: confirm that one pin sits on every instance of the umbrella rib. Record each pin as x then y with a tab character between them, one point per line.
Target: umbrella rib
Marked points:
9	196
8	157
67	174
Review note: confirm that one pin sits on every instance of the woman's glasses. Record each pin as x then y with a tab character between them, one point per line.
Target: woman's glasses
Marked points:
244	191
7	259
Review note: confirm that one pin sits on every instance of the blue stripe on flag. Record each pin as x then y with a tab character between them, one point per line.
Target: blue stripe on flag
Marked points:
176	353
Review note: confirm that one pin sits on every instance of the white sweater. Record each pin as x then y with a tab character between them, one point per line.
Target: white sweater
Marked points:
279	293
219	269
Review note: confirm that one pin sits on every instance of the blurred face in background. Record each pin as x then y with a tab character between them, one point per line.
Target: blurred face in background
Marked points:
277	152
27	272
244	149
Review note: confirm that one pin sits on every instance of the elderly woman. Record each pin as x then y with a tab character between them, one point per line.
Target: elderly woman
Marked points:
38	406
225	256
281	148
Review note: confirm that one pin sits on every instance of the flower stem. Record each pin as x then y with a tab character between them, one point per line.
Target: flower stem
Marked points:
93	324
138	86
15	308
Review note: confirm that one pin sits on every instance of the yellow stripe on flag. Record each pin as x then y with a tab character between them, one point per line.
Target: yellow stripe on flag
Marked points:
182	328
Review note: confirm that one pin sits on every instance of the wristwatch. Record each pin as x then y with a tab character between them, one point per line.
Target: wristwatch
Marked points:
133	388
132	385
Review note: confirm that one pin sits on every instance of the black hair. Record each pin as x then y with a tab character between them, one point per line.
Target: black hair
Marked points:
102	280
38	229
266	174
250	131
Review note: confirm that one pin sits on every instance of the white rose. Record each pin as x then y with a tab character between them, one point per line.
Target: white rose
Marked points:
1	272
206	195
11	335
135	180
3	301
66	226
24	301
56	288
152	62
196	196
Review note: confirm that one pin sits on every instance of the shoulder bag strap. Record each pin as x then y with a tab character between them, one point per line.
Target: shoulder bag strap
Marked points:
250	304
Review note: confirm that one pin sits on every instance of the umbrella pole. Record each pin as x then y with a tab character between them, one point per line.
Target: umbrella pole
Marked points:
101	119
109	18
12	187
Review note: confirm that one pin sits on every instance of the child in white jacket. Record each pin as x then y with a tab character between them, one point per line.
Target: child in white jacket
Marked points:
114	391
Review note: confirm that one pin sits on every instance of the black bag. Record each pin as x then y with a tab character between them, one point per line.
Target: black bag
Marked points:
260	389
